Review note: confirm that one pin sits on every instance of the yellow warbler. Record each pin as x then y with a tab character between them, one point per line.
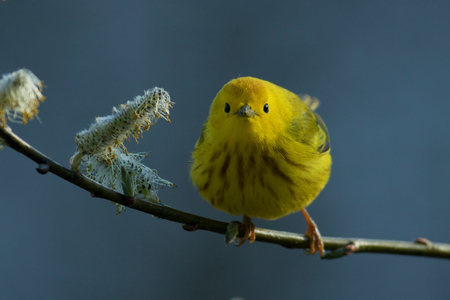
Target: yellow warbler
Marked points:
264	153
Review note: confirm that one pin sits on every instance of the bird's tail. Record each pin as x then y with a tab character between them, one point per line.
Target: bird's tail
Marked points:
312	102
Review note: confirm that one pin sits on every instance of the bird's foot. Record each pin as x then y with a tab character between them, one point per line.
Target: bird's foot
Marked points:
249	228
313	234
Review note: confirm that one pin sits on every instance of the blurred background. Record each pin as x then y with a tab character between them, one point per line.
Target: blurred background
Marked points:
380	69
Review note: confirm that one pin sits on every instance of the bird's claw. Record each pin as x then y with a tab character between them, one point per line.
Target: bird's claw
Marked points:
315	240
313	234
250	233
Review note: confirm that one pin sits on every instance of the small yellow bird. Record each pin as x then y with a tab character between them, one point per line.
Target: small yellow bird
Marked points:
263	153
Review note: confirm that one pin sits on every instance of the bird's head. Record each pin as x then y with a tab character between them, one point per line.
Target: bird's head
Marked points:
248	107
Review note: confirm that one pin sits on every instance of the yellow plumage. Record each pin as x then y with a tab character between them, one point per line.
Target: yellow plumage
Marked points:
262	151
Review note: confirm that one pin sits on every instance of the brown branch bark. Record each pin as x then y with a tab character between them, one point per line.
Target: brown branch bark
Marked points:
338	246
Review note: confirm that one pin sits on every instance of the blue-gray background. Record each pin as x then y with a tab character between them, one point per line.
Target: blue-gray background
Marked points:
380	69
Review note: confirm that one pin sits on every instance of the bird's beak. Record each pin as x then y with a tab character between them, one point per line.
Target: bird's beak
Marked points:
246	111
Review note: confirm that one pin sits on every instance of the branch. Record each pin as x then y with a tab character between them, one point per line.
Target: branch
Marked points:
339	246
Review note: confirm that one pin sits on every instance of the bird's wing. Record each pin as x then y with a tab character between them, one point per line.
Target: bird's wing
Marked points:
309	126
201	139
325	146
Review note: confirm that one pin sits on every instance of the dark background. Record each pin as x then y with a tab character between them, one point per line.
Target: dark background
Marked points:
380	69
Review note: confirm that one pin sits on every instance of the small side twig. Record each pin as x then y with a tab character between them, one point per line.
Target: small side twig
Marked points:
338	246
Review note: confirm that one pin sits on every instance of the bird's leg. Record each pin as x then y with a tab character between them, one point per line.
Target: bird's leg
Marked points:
249	231
313	234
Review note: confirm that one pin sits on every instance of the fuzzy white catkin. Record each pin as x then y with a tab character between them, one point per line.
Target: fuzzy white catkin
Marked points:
128	120
145	181
102	152
20	96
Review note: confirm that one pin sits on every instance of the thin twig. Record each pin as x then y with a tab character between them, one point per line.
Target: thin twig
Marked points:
339	246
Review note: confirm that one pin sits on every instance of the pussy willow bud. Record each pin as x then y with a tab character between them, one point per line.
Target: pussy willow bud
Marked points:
20	96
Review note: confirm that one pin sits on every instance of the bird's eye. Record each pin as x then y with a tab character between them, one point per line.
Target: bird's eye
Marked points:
227	107
266	108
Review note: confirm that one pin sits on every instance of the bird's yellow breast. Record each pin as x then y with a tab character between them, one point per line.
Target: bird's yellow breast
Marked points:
259	153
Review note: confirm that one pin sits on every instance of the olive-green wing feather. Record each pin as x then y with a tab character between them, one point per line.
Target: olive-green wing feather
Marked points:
325	146
201	139
310	128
